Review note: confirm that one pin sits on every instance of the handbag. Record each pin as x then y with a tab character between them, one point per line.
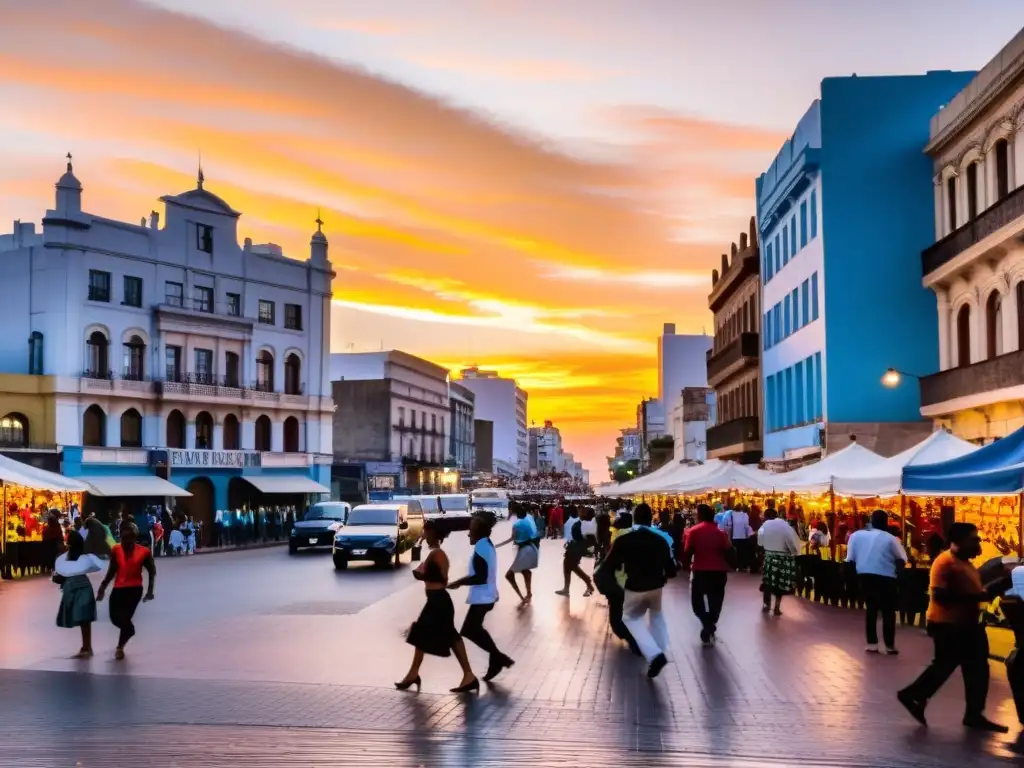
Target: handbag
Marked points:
416	552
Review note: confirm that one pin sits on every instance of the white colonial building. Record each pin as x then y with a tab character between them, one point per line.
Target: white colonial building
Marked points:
976	265
170	335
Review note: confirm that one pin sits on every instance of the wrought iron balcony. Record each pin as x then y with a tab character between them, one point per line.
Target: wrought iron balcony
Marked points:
991	220
987	376
735	356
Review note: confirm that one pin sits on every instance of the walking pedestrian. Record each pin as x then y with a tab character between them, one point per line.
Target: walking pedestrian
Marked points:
781	546
612	584
879	559
954	624
575	549
527	541
77	601
648	562
736	525
556	521
434	631
483	594
127	561
707	550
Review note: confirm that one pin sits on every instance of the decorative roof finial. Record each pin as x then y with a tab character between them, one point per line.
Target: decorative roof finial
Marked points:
69	162
199	177
319	221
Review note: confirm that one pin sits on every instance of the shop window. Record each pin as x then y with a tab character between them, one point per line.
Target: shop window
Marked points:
265	372
175	429
263	433
94	427
204	431
131	429
291	435
292	375
963	336
134	357
96	356
35	353
232	433
1002	169
14	431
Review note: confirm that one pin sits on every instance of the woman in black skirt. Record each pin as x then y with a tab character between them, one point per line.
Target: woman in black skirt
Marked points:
434	631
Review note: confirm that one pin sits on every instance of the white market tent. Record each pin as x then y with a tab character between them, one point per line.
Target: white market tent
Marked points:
18	473
660	479
728	475
852	461
885	479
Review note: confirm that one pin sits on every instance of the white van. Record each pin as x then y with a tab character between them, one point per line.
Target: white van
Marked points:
491	500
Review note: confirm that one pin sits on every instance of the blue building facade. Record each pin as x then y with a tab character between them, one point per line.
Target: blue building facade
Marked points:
843	214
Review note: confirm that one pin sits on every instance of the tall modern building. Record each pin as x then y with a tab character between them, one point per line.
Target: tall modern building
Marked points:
462	448
842	211
548	440
682	363
164	350
734	360
975	266
503	403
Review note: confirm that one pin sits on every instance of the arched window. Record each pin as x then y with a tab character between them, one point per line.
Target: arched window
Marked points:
263	433
96	360
175	429
131	429
94	427
291	435
1002	151
232	374
972	191
994	325
951	201
963	336
292	375
14	431
265	372
204	431
134	355
232	433
35	353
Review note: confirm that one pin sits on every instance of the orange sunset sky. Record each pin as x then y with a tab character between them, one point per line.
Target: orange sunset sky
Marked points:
528	185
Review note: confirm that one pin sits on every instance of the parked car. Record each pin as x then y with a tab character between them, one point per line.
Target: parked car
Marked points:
450	509
379	533
493	500
318	526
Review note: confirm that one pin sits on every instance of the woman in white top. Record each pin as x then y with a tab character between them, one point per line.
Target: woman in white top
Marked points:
781	546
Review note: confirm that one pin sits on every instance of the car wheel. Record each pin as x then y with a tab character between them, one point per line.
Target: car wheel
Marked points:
340	563
292	549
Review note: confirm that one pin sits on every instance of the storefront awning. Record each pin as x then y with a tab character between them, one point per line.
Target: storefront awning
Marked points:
18	473
286	484
132	485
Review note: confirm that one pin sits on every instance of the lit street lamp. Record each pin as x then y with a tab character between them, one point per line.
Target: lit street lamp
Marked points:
893	378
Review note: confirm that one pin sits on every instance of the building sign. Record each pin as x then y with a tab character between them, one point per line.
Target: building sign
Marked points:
381	482
200	459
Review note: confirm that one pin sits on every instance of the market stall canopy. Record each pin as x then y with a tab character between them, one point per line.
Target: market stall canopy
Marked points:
853	460
131	485
680	474
728	476
626	488
18	473
286	484
884	480
996	469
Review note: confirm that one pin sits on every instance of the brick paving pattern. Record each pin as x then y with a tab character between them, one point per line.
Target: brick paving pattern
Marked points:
300	673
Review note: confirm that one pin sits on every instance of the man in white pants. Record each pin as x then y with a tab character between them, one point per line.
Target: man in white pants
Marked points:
647	559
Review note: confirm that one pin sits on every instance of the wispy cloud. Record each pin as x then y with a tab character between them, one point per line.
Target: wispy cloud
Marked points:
658	279
535	70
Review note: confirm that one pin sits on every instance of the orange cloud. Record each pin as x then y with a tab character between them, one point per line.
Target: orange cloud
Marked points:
452	234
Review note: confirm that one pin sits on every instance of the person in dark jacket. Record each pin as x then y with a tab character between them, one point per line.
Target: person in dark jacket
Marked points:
608	584
647	559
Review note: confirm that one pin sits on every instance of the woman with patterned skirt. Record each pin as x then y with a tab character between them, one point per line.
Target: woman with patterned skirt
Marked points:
781	546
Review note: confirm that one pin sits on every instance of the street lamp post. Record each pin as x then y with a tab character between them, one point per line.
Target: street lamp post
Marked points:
893	378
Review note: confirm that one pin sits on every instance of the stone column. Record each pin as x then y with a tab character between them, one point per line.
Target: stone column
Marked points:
248	433
276	436
1011	312
190	434
945	324
113	437
218	435
1017	154
940	215
979	340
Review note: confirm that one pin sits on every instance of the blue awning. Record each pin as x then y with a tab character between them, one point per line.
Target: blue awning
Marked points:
996	469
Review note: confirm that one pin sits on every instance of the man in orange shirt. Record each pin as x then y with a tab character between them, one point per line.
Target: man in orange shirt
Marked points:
954	624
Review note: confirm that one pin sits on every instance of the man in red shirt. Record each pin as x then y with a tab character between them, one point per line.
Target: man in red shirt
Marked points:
707	550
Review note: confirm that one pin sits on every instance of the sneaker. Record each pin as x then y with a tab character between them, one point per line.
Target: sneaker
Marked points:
892	651
657	665
915	708
705	637
562	592
982	723
872	648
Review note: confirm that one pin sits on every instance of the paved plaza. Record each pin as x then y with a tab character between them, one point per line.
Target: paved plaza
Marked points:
261	659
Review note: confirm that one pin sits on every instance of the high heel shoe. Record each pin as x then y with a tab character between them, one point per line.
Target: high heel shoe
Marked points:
405	686
470	687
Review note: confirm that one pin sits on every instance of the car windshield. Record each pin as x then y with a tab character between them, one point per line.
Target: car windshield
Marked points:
455	503
326	512
428	503
371	516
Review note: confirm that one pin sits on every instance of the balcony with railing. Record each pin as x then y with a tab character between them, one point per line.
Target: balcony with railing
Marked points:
988	222
737	355
734	437
999	373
